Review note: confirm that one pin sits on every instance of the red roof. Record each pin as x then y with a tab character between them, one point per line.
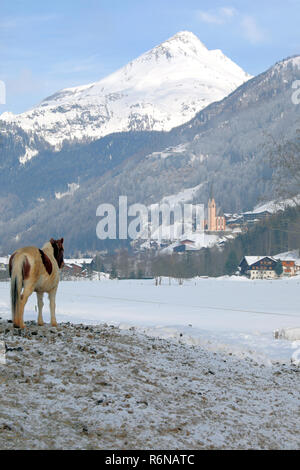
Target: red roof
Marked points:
184	242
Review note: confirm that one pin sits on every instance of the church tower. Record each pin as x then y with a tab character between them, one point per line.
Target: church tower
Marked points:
212	215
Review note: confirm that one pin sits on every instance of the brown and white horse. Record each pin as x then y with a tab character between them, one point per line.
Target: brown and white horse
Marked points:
37	271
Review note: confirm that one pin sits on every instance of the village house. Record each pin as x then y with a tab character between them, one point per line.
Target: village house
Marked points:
185	245
72	270
258	267
76	267
289	267
263	267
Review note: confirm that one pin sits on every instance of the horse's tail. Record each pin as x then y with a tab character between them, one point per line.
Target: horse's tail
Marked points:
17	276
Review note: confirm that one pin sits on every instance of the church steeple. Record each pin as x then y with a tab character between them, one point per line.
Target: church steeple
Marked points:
211	215
214	223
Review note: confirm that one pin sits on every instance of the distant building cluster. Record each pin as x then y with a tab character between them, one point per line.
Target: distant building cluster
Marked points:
215	230
245	219
72	267
77	267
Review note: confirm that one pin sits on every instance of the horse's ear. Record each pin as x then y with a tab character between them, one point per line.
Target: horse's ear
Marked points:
52	241
62	240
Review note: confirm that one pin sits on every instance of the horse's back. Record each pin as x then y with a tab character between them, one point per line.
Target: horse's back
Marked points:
28	250
39	270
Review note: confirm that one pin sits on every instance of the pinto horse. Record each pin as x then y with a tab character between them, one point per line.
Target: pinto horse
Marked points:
35	270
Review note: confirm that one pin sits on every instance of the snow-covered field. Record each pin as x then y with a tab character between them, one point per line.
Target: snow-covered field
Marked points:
231	315
219	381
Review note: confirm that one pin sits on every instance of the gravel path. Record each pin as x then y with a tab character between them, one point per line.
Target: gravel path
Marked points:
98	387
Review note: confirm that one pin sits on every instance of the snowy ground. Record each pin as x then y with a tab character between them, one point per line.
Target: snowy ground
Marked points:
236	316
208	373
99	387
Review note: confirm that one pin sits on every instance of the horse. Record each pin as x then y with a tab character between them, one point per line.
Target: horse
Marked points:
35	270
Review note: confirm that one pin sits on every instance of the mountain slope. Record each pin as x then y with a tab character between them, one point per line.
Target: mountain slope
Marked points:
161	89
224	146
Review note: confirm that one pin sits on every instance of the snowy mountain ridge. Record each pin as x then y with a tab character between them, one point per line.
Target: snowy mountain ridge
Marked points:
163	88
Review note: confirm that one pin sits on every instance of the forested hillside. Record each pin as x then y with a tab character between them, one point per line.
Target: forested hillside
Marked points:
225	147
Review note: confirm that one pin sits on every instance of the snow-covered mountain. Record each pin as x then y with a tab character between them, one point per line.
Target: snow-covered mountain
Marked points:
224	146
161	89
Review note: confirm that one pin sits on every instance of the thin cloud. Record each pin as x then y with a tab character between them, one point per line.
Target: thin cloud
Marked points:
252	31
228	12
246	24
22	21
217	16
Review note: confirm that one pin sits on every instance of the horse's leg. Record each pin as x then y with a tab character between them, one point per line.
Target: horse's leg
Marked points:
16	318
40	307
52	295
24	297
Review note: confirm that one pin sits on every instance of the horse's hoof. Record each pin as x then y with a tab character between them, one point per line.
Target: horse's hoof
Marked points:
41	323
54	324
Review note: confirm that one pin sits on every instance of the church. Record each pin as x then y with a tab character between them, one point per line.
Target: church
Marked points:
214	222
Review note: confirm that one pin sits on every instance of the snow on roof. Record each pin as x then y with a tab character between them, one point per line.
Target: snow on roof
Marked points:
78	261
254	259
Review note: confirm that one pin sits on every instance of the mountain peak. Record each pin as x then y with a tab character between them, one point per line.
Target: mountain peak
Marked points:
183	43
159	90
187	37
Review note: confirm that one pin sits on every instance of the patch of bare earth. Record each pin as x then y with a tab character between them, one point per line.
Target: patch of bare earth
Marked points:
97	387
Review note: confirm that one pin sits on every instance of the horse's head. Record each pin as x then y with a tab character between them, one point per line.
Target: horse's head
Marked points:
58	251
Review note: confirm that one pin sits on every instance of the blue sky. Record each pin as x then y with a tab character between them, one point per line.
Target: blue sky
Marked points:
49	45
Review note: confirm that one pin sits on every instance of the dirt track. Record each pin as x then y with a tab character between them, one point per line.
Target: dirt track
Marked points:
80	387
